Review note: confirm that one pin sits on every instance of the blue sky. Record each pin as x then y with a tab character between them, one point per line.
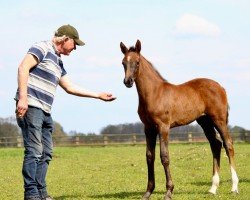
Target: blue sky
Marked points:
183	39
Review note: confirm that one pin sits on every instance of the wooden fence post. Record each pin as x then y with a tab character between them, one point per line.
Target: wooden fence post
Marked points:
77	140
105	140
190	138
134	139
19	141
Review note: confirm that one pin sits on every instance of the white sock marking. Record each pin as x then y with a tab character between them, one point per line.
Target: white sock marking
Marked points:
215	183
235	180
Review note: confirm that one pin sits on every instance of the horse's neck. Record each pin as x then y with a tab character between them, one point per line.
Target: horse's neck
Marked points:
148	80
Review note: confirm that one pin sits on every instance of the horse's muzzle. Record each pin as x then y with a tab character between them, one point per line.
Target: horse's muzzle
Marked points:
128	82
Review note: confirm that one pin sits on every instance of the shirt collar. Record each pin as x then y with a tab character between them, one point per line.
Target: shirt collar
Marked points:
54	47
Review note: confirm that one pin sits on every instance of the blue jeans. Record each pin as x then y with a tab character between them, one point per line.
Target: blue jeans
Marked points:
37	128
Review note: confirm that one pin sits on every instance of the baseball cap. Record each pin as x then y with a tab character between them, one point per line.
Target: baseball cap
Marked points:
71	32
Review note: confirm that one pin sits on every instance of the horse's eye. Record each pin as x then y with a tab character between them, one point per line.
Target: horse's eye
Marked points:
137	63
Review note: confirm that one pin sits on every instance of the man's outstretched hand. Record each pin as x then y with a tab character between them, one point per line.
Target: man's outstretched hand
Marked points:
106	96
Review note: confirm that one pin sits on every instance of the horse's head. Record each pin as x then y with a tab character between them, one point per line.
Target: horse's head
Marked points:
131	62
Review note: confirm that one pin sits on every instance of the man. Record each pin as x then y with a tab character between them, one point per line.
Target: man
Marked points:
38	76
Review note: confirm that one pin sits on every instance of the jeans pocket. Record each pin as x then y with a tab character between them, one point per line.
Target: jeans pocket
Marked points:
20	122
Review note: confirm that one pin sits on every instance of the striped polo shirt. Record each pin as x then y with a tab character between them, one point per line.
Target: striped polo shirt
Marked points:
44	77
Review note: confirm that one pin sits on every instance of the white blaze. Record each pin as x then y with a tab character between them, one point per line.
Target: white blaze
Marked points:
129	58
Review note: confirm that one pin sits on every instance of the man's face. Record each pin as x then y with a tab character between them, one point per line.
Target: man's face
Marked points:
68	46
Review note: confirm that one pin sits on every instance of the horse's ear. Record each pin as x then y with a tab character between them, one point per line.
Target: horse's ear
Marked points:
124	49
138	46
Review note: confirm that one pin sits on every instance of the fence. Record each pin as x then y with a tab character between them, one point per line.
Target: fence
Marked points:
117	139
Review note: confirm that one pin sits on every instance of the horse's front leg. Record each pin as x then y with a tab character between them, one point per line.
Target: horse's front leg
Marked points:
150	156
165	160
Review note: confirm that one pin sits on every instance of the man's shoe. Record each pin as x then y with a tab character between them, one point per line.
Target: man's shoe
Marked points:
47	198
32	198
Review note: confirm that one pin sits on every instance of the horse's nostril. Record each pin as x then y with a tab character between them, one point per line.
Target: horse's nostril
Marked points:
124	81
128	82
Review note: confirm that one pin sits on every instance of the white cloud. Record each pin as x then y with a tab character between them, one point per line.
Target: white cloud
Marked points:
192	25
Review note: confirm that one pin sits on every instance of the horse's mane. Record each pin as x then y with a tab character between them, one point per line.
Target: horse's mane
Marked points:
132	49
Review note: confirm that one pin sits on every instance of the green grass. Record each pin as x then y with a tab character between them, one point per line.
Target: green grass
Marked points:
120	172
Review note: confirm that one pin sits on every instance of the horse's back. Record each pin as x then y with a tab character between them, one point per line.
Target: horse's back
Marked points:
208	89
201	82
202	89
212	94
195	98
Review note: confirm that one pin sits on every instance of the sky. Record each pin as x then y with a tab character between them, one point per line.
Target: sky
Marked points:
184	39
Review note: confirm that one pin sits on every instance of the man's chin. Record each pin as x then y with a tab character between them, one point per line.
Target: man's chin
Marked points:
66	54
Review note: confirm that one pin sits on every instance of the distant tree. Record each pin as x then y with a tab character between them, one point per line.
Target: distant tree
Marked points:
138	127
8	134
74	133
187	129
237	129
127	128
58	130
238	132
111	129
58	133
8	130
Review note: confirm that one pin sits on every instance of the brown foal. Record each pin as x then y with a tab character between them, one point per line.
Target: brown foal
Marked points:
163	105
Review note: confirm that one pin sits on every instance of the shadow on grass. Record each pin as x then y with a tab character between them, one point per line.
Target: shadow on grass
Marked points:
202	183
121	195
207	183
66	197
130	195
191	192
138	195
244	180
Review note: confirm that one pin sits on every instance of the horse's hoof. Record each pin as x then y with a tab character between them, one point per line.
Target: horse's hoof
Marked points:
235	191
146	196
168	196
212	190
235	188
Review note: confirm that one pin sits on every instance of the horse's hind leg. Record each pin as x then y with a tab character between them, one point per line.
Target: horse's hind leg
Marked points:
221	127
151	135
215	144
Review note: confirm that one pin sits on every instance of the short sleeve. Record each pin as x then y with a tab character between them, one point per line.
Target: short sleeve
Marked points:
62	68
38	50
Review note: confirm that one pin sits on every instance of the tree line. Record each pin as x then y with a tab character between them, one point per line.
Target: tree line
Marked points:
9	128
138	127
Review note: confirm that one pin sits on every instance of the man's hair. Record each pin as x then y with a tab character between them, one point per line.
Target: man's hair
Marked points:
59	39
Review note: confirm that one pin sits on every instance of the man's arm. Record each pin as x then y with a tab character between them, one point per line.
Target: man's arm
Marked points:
27	63
73	89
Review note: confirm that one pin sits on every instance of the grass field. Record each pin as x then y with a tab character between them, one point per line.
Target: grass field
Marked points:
120	172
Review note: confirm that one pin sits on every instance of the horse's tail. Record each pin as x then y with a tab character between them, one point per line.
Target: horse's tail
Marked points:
228	108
